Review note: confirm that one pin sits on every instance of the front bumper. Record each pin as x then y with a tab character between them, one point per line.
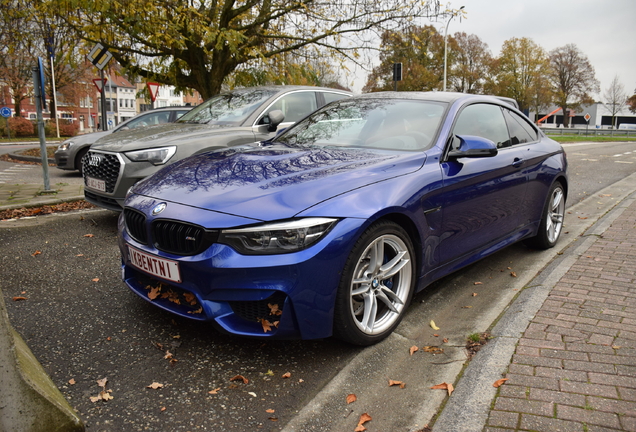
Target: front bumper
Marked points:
238	292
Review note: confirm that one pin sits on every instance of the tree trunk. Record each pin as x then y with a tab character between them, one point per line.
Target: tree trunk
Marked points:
566	116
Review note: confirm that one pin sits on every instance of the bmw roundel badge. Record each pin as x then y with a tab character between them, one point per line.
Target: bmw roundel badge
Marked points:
158	209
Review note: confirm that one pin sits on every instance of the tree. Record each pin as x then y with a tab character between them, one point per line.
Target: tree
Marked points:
572	77
520	71
632	102
615	98
418	49
16	51
471	63
198	44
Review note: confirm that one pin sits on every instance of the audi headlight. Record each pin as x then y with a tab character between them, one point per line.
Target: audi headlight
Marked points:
277	238
156	156
65	145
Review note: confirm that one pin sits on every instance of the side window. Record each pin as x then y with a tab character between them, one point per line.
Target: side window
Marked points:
330	97
520	130
178	114
295	106
483	120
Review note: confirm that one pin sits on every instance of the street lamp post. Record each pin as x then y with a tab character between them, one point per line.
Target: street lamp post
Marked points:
446	43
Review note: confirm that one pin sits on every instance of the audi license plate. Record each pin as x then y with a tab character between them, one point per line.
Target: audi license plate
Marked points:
96	184
163	268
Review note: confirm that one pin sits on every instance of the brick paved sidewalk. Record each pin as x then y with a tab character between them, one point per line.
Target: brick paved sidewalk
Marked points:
574	369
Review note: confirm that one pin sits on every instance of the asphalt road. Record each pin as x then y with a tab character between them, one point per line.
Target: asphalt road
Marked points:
83	326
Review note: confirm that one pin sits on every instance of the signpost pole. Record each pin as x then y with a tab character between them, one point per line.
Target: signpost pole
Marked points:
104	121
6	113
37	86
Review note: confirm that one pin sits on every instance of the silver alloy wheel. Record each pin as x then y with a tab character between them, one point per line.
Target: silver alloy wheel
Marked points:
381	284
556	213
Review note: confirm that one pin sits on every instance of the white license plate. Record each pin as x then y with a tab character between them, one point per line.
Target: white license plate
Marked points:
96	184
163	268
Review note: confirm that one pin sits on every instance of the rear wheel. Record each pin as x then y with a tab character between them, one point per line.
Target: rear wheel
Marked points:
376	285
552	220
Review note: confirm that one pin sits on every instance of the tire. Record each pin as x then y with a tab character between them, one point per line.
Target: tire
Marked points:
373	295
552	220
78	159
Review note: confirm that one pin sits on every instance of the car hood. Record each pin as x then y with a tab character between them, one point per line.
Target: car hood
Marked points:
273	182
160	135
89	137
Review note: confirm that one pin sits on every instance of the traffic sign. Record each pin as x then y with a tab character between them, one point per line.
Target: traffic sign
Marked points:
587	116
5	112
100	83
99	56
153	89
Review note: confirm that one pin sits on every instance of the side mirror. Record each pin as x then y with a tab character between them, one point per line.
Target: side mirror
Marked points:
471	146
273	119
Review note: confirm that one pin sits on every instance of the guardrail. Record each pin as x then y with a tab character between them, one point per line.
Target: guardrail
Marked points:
590	132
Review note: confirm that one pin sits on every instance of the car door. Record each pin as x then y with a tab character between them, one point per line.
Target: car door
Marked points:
482	196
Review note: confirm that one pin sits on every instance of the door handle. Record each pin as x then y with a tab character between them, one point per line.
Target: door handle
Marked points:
517	162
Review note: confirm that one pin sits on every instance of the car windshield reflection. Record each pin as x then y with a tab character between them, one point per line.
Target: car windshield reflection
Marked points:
227	109
370	123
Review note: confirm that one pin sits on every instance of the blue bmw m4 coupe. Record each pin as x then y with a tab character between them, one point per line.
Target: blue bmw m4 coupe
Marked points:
329	228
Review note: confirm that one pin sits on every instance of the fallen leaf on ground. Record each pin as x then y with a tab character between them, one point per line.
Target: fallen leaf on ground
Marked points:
95	280
513	274
351	398
162	409
71	381
287	375
396	383
363	419
413	349
215	391
478	283
240	378
37	252
270	411
269	372
155	386
474	294
89	235
168	355
251	394
433	349
499	382
102	382
444	386
433	326
19	298
445	340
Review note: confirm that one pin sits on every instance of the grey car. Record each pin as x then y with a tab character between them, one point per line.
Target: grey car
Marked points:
69	154
115	163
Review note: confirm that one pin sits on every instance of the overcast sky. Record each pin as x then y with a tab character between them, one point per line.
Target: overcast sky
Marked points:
605	31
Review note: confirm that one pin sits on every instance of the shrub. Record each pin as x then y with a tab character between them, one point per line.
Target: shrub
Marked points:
68	128
21	127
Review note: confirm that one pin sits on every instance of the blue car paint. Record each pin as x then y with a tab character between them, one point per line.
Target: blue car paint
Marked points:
432	200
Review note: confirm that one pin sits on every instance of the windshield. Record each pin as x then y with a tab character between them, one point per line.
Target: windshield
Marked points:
228	109
392	124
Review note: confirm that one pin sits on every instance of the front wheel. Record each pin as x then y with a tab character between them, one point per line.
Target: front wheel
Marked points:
376	285
552	220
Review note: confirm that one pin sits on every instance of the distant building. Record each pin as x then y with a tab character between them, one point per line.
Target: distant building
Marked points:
600	117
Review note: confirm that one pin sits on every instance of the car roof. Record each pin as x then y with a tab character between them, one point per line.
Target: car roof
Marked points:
436	96
285	88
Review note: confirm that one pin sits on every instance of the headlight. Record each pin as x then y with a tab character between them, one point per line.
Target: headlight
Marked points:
277	238
65	145
156	156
